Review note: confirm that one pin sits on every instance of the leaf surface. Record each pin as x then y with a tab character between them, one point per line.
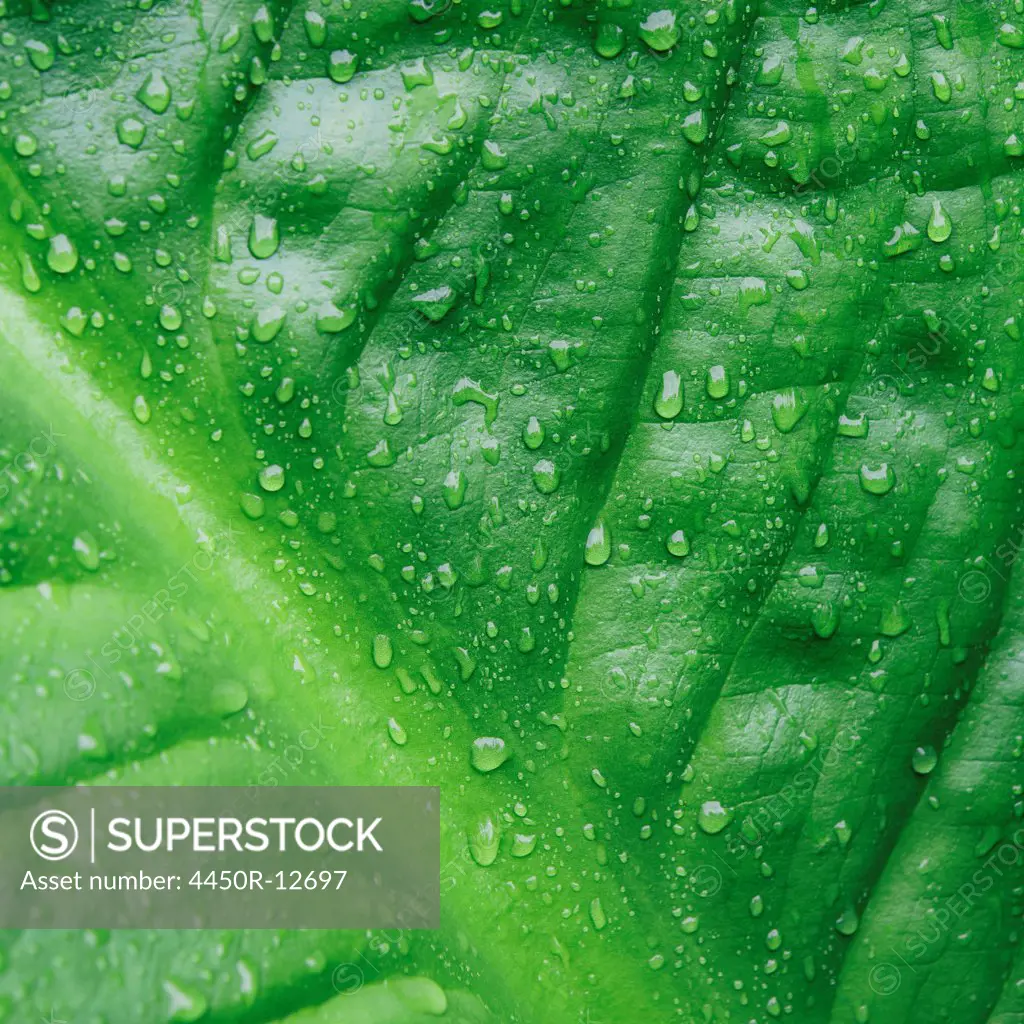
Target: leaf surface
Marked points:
635	385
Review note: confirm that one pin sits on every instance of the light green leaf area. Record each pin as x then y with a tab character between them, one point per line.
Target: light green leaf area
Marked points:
636	384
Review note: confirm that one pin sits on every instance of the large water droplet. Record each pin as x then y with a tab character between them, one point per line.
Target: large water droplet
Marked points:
62	257
488	753
713	817
598	547
155	92
877	480
659	30
668	403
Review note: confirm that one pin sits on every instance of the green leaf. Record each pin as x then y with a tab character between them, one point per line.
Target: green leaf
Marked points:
607	412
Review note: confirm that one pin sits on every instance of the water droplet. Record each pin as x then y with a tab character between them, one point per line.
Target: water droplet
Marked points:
924	759
263	24
668	403
717	383
87	551
271	478
396	732
895	620
523	844
261	145
316	28
141	410
40	54
253	506
878	480
1011	36
155	93
25	144
228	697
341	66
610	41
941	87
454	488
484	842
659	30
788	408
62	256
677	544
713	817
185	1004
170	318
436	303
825	619
848	922
263	237
853	426
598	547
533	433
905	238
695	127
467	390
383	652
546	476
332	320
267	323
493	157
131	132
488	753
939	226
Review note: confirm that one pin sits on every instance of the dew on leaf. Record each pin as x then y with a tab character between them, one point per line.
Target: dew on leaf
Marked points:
484	841
40	54
87	551
267	323
170	318
25	144
610	40
141	410
717	383
62	256
668	403
316	28
155	93
924	759
398	735
272	478
264	237
546	476
454	488
341	66
877	479
185	1003
488	753
659	30
523	844
533	433
332	320
382	650
467	390
939	226
131	132
677	544
228	697
598	547
713	817
788	408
